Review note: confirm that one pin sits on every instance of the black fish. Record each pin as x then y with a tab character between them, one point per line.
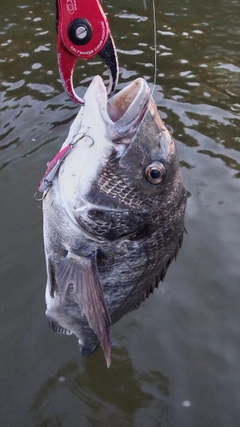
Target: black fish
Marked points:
113	216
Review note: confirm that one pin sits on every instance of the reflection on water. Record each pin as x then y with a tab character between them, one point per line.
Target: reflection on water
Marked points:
123	395
176	360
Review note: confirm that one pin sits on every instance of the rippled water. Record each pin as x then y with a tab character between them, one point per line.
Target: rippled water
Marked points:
176	359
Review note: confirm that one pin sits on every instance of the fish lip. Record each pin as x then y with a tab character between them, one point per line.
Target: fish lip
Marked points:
124	111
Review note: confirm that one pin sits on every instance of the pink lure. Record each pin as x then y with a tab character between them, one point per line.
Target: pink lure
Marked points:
52	169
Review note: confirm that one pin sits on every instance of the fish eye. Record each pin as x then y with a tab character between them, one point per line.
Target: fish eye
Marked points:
155	172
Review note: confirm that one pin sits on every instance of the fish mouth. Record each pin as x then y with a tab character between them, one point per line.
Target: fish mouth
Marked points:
124	111
127	108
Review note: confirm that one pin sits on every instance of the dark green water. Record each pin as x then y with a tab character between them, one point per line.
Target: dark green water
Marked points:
177	359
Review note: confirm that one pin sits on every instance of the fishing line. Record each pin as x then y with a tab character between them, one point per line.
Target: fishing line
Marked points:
154	46
154	54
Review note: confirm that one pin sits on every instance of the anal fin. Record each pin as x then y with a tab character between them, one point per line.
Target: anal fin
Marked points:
58	328
82	273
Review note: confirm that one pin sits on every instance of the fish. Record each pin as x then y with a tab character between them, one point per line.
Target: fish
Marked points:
113	213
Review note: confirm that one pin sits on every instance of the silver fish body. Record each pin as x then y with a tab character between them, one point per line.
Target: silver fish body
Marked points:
114	215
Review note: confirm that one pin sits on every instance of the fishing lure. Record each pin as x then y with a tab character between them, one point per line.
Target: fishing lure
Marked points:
53	167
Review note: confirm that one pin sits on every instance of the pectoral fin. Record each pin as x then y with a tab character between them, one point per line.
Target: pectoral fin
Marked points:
82	273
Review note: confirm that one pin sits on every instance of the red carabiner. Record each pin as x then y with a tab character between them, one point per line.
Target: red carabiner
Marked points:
83	27
83	32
